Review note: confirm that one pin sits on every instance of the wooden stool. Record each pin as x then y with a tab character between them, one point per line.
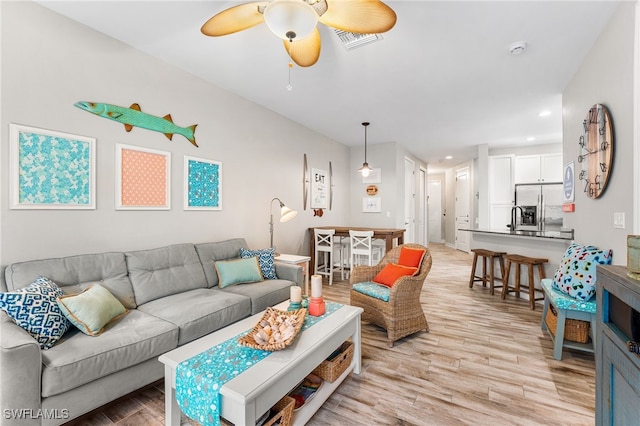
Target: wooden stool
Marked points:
519	260
484	278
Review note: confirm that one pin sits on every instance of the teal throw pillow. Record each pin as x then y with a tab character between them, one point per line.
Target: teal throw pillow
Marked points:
266	259
34	308
91	310
576	274
238	271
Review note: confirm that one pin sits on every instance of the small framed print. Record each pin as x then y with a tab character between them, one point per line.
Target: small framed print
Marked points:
202	184
143	178
50	169
371	205
319	189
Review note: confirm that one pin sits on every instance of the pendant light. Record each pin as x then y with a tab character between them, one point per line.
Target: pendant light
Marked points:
365	169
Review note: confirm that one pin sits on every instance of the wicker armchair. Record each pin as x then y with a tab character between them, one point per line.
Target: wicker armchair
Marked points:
402	315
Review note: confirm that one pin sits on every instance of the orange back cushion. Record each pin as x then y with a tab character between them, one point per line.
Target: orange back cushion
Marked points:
391	272
411	257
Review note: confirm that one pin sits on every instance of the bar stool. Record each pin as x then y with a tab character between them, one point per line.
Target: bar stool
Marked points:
519	260
492	256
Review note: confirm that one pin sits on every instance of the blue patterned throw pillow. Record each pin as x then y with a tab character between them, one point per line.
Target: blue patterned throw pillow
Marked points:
266	259
35	309
576	275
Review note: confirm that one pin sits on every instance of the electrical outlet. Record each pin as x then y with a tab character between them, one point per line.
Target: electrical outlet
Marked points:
618	220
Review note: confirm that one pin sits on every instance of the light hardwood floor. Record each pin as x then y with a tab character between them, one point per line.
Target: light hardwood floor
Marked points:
484	362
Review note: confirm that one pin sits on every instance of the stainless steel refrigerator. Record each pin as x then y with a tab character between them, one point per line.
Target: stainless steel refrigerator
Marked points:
541	205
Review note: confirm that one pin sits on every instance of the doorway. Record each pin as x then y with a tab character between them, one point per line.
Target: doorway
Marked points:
434	206
423	213
409	200
463	209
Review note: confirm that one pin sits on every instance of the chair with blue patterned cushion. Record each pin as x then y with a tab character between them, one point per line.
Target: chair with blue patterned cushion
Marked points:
397	309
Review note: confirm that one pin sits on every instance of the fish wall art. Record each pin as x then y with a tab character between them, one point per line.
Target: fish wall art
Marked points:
133	117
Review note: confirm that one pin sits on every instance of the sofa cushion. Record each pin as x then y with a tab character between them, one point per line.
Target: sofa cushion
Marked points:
238	271
209	253
75	273
92	309
392	272
164	271
262	294
78	359
34	308
266	259
199	312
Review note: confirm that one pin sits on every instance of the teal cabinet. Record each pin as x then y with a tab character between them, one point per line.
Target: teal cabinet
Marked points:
617	368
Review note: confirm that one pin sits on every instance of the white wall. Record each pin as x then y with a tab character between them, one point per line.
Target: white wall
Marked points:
50	62
389	157
605	77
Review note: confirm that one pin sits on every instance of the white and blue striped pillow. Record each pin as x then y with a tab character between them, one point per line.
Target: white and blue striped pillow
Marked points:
35	309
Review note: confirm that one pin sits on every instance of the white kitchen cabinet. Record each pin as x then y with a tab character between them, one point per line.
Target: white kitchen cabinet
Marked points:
500	190
538	168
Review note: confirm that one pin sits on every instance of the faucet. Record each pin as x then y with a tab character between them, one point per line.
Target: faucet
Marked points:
512	226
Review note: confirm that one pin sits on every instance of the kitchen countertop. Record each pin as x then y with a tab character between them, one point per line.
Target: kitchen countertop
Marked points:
557	235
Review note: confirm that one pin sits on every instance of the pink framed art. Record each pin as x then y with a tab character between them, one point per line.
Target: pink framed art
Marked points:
143	178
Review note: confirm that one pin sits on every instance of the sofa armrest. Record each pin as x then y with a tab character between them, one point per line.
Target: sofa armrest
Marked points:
289	271
21	369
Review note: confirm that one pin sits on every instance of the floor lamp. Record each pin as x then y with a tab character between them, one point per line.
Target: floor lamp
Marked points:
286	214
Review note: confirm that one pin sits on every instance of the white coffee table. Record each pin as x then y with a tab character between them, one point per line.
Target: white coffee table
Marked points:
256	390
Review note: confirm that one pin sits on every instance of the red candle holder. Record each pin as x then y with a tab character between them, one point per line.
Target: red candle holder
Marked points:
316	306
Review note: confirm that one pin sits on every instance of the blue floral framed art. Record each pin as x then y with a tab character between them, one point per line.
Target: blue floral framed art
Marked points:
50	169
202	184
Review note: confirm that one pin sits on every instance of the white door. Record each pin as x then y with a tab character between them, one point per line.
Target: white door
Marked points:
422	207
409	200
463	209
434	204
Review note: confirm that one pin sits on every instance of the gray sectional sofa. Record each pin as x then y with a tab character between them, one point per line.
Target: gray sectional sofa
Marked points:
173	298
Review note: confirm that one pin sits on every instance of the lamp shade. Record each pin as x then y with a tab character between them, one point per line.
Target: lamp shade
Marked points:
286	214
290	19
365	169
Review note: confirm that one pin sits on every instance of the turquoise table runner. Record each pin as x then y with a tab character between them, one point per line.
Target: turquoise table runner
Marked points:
199	379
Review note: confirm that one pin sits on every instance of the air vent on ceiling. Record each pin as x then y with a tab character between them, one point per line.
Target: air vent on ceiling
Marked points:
353	40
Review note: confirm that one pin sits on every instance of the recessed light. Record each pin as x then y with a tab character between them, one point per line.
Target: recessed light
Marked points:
544	114
531	139
448	157
518	47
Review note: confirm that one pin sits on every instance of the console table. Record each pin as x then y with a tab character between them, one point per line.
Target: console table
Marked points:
617	369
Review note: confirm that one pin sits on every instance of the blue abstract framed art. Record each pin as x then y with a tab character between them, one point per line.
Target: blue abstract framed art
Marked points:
203	184
50	169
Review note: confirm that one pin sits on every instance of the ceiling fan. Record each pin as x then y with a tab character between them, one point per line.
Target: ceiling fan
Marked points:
295	22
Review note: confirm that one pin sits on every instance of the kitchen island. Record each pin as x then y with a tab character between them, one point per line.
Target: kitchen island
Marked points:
543	244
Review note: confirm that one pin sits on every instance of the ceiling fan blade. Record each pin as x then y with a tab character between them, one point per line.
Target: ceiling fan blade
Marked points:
234	19
305	52
359	16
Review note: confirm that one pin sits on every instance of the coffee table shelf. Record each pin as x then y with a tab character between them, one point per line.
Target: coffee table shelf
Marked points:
253	392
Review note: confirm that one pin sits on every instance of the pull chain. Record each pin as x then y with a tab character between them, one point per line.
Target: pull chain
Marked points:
289	86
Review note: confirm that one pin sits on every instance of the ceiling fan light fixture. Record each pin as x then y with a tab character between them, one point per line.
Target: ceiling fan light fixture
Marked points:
290	19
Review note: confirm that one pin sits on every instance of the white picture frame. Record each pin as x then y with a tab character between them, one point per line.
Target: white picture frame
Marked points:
202	184
319	189
371	204
49	169
143	178
375	176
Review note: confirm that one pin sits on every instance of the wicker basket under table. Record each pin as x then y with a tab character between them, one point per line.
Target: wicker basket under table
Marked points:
331	370
284	413
574	330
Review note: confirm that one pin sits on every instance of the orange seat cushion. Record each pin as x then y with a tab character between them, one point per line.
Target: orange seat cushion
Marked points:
411	257
391	272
